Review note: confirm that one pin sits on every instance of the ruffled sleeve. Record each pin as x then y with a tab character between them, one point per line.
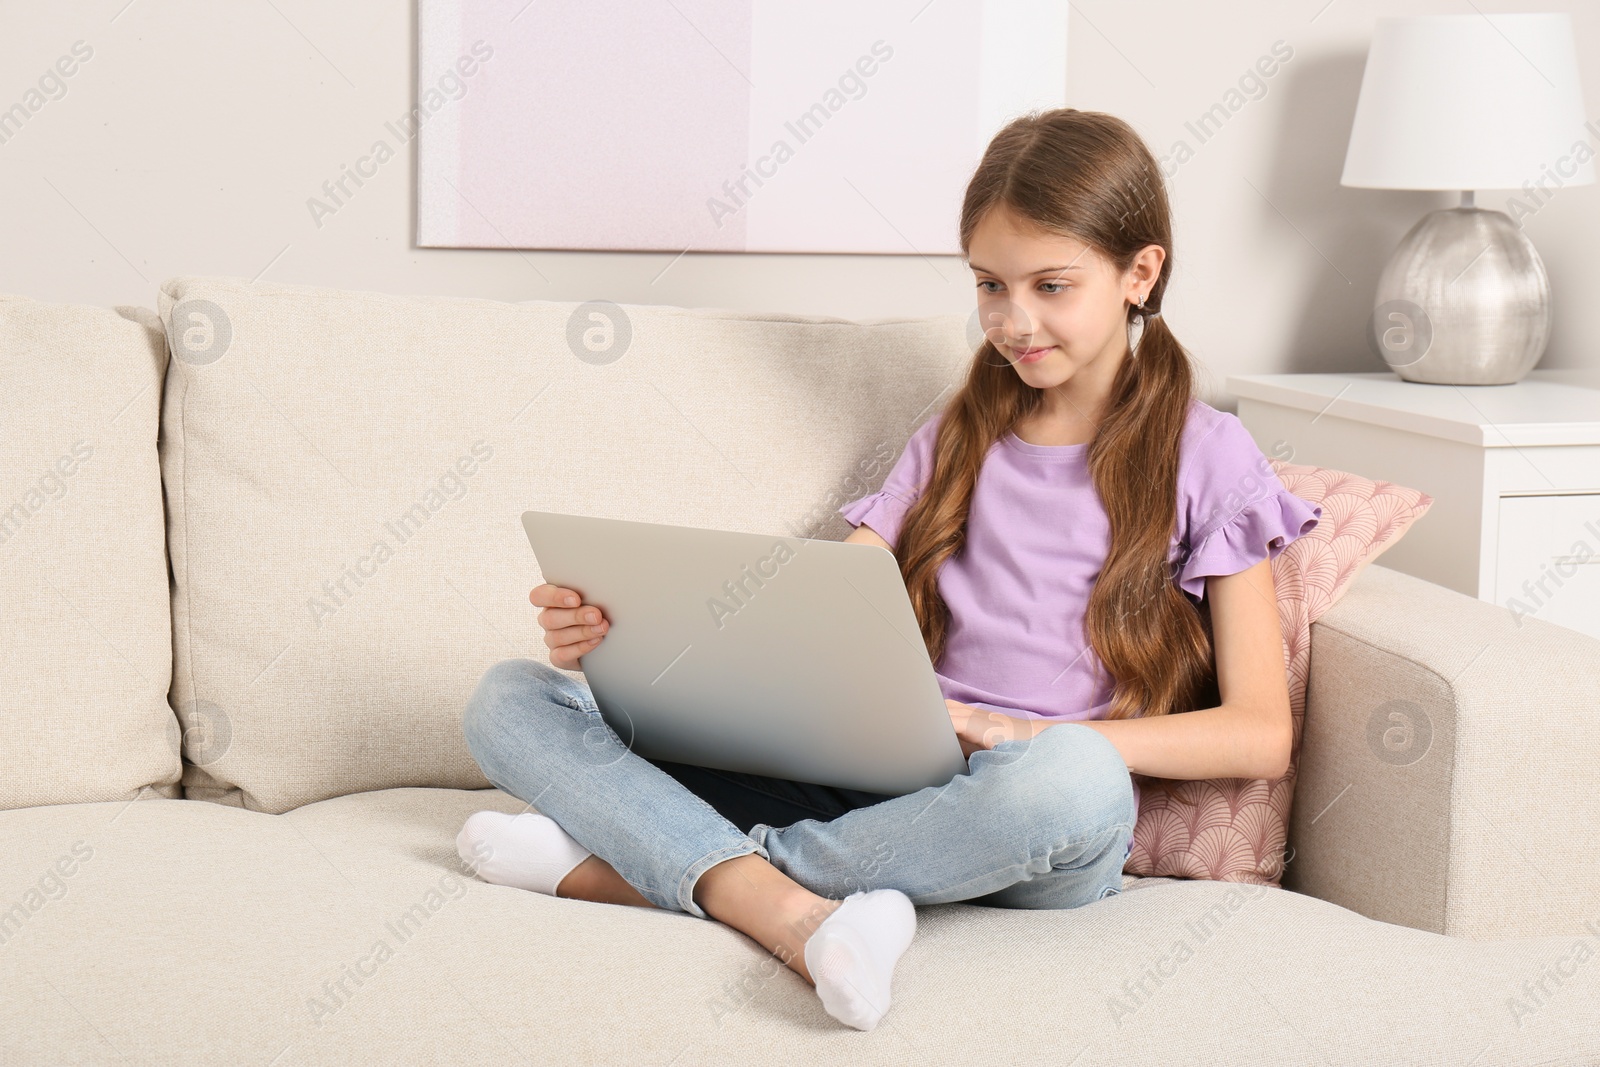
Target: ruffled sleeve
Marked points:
1238	511
1260	530
885	510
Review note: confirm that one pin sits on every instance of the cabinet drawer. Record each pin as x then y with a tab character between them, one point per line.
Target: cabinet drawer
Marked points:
1548	564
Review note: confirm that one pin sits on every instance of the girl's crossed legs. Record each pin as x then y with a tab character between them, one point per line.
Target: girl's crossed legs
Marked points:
1038	823
1044	822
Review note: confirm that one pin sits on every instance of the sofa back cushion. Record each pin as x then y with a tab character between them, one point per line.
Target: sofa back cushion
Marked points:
86	638
346	473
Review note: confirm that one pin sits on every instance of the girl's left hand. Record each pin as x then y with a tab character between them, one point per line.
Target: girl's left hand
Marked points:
977	729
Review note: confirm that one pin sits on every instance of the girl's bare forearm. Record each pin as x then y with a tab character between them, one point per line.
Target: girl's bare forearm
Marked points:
1220	742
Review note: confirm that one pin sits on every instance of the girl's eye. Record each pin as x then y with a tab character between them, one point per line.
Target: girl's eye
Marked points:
1055	287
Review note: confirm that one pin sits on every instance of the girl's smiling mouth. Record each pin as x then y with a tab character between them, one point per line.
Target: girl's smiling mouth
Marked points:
1032	355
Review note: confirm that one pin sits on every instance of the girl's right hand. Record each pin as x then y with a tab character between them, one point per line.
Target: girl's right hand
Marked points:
571	627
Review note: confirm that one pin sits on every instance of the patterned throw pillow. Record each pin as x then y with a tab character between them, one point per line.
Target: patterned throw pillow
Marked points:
1235	829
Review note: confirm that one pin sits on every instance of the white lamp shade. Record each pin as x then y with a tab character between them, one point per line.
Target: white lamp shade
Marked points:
1470	102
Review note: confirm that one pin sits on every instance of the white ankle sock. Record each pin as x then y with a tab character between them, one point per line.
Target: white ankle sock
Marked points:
851	955
528	851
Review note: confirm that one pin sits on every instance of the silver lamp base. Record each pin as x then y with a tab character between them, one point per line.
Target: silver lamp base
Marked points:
1464	300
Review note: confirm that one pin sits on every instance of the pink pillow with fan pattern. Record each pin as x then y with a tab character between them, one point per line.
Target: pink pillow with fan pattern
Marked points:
1235	829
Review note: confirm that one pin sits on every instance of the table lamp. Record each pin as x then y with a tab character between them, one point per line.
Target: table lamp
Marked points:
1468	102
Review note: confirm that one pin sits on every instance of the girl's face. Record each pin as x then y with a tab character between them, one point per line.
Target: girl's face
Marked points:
1052	305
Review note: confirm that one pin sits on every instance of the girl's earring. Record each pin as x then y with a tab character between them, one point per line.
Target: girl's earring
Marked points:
1134	353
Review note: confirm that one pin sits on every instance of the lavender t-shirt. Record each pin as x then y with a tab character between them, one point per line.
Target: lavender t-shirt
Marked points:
1037	536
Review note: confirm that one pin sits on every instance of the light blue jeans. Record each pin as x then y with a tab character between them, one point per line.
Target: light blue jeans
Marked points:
1044	822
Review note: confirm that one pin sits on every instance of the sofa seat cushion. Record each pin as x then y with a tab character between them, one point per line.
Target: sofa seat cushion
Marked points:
348	932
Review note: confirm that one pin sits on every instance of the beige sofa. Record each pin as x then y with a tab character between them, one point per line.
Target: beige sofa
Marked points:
289	546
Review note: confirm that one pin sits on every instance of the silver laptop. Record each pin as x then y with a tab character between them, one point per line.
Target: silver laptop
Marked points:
783	656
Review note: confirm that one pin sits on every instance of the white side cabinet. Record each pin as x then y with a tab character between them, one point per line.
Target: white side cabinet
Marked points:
1514	471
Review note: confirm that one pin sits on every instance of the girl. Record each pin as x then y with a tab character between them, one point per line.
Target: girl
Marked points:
1073	527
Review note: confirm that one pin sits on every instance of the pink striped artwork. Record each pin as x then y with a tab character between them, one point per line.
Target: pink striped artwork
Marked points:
718	125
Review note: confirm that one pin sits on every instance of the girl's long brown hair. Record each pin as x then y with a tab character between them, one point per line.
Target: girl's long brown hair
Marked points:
1087	175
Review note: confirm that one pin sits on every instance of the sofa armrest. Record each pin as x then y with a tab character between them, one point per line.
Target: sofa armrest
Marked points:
1447	774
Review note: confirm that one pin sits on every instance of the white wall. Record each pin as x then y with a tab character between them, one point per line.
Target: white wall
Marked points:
191	139
1278	263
